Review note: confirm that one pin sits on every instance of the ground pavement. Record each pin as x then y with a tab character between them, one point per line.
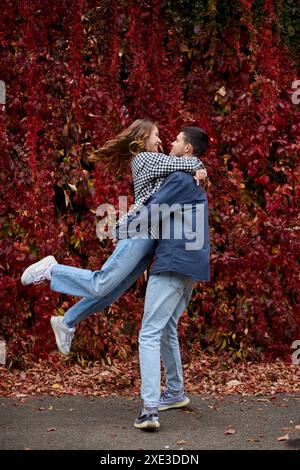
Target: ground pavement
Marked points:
80	422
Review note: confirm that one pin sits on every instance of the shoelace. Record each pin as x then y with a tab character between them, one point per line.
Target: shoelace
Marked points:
165	395
39	280
149	415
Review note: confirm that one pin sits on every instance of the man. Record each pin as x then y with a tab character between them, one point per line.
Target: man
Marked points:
170	285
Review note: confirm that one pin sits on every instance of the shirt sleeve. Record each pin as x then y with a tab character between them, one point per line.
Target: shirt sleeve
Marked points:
162	165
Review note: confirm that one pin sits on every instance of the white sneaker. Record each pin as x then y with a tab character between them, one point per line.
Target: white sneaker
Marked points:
38	272
63	334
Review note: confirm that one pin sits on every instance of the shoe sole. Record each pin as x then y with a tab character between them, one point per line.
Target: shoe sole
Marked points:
180	404
24	275
149	425
57	338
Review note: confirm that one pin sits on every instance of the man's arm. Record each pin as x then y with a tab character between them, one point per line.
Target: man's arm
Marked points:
169	193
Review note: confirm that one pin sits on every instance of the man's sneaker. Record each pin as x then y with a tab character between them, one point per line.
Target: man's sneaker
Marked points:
38	272
63	334
170	400
148	419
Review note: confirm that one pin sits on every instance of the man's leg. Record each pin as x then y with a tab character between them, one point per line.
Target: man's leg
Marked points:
174	396
164	292
87	284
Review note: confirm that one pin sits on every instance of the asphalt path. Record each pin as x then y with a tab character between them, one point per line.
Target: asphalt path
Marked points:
97	423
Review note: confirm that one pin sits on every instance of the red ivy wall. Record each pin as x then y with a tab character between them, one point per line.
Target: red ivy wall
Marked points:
76	72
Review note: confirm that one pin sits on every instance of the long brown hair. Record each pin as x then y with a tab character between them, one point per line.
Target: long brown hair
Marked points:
119	151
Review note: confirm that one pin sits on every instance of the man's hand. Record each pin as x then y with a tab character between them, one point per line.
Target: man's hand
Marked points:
200	175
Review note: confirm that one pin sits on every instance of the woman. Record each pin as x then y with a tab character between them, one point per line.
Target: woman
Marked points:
137	146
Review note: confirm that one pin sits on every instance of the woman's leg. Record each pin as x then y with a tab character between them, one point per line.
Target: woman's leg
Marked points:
94	284
88	306
64	327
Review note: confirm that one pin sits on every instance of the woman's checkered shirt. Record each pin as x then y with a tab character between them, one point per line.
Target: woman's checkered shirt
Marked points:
149	169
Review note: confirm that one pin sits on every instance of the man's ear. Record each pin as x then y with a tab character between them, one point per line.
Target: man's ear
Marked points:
189	148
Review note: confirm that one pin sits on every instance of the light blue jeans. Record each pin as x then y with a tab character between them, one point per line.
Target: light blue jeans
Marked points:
101	288
167	296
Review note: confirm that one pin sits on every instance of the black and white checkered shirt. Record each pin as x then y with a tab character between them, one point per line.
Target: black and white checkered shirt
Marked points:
149	169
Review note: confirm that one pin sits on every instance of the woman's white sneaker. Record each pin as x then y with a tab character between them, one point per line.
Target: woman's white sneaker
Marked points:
38	272
63	334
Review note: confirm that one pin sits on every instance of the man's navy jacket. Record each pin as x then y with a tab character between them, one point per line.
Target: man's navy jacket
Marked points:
183	245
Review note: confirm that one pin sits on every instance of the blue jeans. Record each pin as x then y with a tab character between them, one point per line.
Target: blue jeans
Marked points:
101	288
167	296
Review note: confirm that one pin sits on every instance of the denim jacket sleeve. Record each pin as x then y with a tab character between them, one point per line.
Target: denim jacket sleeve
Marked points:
169	193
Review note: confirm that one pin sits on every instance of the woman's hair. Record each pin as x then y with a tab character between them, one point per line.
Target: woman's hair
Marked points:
197	137
119	151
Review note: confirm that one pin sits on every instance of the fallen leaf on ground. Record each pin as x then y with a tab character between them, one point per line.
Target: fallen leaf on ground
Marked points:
181	442
283	438
230	431
233	383
206	375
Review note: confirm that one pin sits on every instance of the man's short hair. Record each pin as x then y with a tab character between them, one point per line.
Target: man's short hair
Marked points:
197	137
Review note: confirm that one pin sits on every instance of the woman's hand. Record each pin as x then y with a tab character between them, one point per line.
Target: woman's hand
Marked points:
200	175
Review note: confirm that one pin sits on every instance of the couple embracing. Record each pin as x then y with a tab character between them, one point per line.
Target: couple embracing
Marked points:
177	262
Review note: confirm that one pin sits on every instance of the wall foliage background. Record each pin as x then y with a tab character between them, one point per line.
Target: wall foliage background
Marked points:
78	71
